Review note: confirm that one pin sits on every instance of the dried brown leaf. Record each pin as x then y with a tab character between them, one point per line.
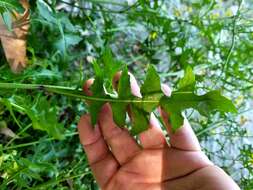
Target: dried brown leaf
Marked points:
14	42
6	131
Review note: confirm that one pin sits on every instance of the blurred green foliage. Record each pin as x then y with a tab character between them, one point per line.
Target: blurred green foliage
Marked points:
214	37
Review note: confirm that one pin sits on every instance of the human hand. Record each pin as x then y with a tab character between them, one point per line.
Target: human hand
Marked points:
119	162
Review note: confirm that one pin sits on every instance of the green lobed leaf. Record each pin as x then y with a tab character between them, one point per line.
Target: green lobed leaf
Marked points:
140	121
69	40
42	114
124	88
187	83
140	107
110	67
215	101
205	104
124	92
176	120
150	90
119	113
152	83
95	106
44	117
102	86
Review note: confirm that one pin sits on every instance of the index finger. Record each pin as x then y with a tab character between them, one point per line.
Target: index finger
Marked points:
101	160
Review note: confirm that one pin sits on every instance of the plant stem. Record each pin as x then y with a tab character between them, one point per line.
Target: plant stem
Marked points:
71	92
35	142
77	93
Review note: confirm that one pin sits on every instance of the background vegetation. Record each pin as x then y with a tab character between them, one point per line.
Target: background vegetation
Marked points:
39	146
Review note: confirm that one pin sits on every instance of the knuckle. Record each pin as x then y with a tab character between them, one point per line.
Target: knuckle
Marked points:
116	132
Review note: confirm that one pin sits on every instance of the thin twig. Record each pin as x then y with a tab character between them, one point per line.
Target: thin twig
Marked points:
107	10
35	142
230	51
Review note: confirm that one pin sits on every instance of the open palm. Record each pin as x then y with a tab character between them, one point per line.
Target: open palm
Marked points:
120	163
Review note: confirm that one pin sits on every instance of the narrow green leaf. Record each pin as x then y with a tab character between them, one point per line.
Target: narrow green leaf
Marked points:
97	69
46	12
107	58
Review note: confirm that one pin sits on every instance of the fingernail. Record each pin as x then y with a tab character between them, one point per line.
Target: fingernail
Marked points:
166	90
154	121
134	86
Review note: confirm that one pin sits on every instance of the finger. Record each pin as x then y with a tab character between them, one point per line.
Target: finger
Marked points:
135	89
102	162
153	137
184	138
86	87
166	90
122	144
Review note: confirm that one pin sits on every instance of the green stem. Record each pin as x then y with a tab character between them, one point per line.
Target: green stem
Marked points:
35	142
75	93
17	136
67	91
